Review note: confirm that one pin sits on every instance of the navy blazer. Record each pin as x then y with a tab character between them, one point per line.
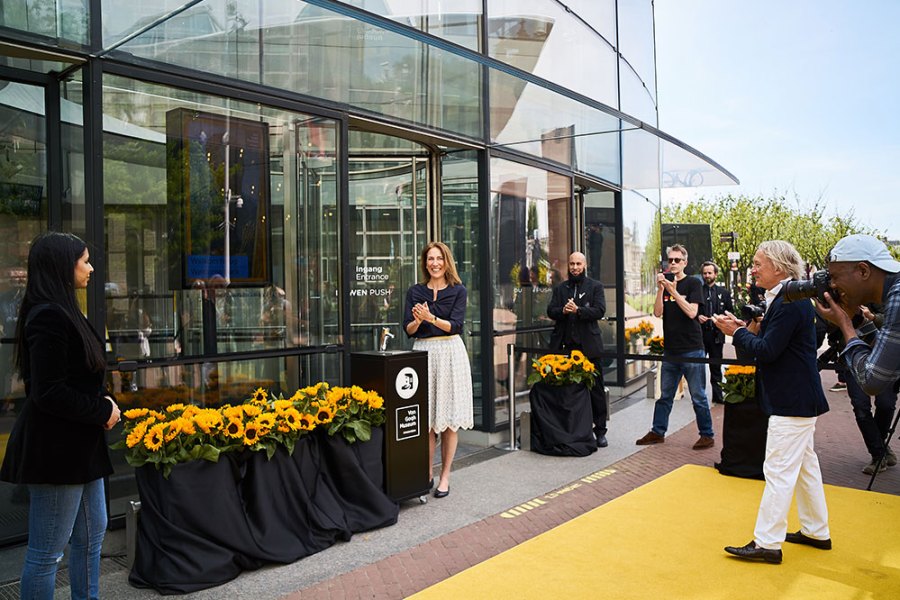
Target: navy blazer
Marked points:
591	301
59	435
787	378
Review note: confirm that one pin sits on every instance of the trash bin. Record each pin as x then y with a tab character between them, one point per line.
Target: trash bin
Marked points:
401	377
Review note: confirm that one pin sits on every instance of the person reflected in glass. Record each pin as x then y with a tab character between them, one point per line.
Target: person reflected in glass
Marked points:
10	300
433	315
58	445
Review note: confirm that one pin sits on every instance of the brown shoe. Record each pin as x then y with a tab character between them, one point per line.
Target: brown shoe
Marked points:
651	438
704	442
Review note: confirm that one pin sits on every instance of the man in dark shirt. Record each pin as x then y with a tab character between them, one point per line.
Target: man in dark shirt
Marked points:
716	300
679	299
576	306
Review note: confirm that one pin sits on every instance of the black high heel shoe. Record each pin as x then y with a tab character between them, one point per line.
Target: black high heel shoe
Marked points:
442	493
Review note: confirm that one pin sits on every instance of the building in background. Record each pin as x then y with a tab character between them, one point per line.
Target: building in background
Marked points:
257	177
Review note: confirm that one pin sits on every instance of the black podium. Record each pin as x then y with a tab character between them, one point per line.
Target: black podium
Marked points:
401	377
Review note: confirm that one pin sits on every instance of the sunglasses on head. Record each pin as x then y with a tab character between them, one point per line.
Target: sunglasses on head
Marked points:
675	259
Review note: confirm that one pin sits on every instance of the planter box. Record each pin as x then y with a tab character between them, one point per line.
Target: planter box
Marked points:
561	423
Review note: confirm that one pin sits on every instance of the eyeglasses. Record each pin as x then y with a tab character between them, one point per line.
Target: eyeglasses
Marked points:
675	259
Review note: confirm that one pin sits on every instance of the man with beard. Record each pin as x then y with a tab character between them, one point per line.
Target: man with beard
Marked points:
717	302
576	306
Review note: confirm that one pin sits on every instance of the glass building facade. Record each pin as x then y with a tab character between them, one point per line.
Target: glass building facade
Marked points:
256	179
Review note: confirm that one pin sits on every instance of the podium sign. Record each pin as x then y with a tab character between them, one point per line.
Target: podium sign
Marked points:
401	378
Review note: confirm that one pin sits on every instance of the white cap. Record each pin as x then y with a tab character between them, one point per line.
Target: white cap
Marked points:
859	248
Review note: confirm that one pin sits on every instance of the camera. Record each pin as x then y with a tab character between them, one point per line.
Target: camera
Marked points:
810	288
866	332
669	276
752	311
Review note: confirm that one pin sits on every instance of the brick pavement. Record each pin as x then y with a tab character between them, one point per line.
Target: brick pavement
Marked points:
838	443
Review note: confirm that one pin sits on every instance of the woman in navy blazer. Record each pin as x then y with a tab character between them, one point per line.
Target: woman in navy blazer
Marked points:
790	391
58	444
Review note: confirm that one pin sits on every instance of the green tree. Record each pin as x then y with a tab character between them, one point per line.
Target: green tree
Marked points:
757	219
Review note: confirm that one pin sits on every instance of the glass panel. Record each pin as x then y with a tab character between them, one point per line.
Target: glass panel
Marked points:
388	216
23	214
533	119
65	19
531	229
544	45
600	235
599	14
307	49
460	223
636	100
458	25
272	222
639	213
636	40
74	197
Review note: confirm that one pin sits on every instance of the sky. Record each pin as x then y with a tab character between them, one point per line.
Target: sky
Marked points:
799	98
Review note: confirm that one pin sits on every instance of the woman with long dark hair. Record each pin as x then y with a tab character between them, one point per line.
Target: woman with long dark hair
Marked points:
58	444
434	314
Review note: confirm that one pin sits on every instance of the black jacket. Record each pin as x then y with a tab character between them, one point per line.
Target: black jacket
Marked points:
58	437
580	328
717	300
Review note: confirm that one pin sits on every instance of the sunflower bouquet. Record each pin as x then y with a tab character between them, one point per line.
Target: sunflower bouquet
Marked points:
657	345
181	433
559	369
739	384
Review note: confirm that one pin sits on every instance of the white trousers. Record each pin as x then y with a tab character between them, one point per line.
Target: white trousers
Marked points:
791	462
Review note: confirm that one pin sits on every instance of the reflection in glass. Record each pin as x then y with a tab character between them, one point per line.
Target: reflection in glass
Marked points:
636	40
530	118
307	49
600	235
547	45
64	19
461	231
455	22
150	314
530	226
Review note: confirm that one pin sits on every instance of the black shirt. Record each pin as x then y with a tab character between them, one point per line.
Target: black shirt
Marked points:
681	333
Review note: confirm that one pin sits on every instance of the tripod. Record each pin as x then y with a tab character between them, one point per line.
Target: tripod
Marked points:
887	441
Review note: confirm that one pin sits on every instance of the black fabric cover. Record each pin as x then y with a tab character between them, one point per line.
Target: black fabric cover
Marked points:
561	422
209	521
743	440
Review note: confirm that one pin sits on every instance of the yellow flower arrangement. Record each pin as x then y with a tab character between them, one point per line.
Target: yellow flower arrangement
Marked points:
739	384
180	433
559	369
657	345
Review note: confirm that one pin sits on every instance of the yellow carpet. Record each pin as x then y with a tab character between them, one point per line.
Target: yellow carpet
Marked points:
664	540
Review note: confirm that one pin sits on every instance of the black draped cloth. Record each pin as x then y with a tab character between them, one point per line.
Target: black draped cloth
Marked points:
209	521
561	422
744	431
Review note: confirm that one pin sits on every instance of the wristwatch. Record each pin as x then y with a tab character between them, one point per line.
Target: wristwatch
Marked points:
433	319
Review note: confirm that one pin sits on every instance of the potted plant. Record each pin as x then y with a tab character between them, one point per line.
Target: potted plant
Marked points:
744	425
561	423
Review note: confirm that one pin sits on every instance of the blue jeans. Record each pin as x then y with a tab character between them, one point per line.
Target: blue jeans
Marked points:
670	375
57	515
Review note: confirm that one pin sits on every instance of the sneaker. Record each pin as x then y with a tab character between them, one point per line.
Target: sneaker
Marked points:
704	442
890	459
651	438
838	387
869	469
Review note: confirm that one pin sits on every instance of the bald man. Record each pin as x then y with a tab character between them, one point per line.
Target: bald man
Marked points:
576	306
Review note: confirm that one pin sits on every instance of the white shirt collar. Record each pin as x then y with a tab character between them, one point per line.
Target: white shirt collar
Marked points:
771	294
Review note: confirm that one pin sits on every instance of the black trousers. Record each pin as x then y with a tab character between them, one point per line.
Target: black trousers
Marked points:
873	427
599	412
714	352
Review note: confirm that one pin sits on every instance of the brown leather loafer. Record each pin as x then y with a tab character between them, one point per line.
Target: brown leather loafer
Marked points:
704	442
753	552
799	538
651	438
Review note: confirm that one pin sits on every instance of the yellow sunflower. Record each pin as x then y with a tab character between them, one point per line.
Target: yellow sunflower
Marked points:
174	408
325	414
307	422
234	428
233	412
292	418
251	433
577	356
260	395
251	410
135	413
154	439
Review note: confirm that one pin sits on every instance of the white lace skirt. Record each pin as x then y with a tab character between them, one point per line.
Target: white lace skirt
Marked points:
449	383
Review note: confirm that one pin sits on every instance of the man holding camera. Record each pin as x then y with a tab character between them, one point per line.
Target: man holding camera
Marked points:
717	300
862	271
679	299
